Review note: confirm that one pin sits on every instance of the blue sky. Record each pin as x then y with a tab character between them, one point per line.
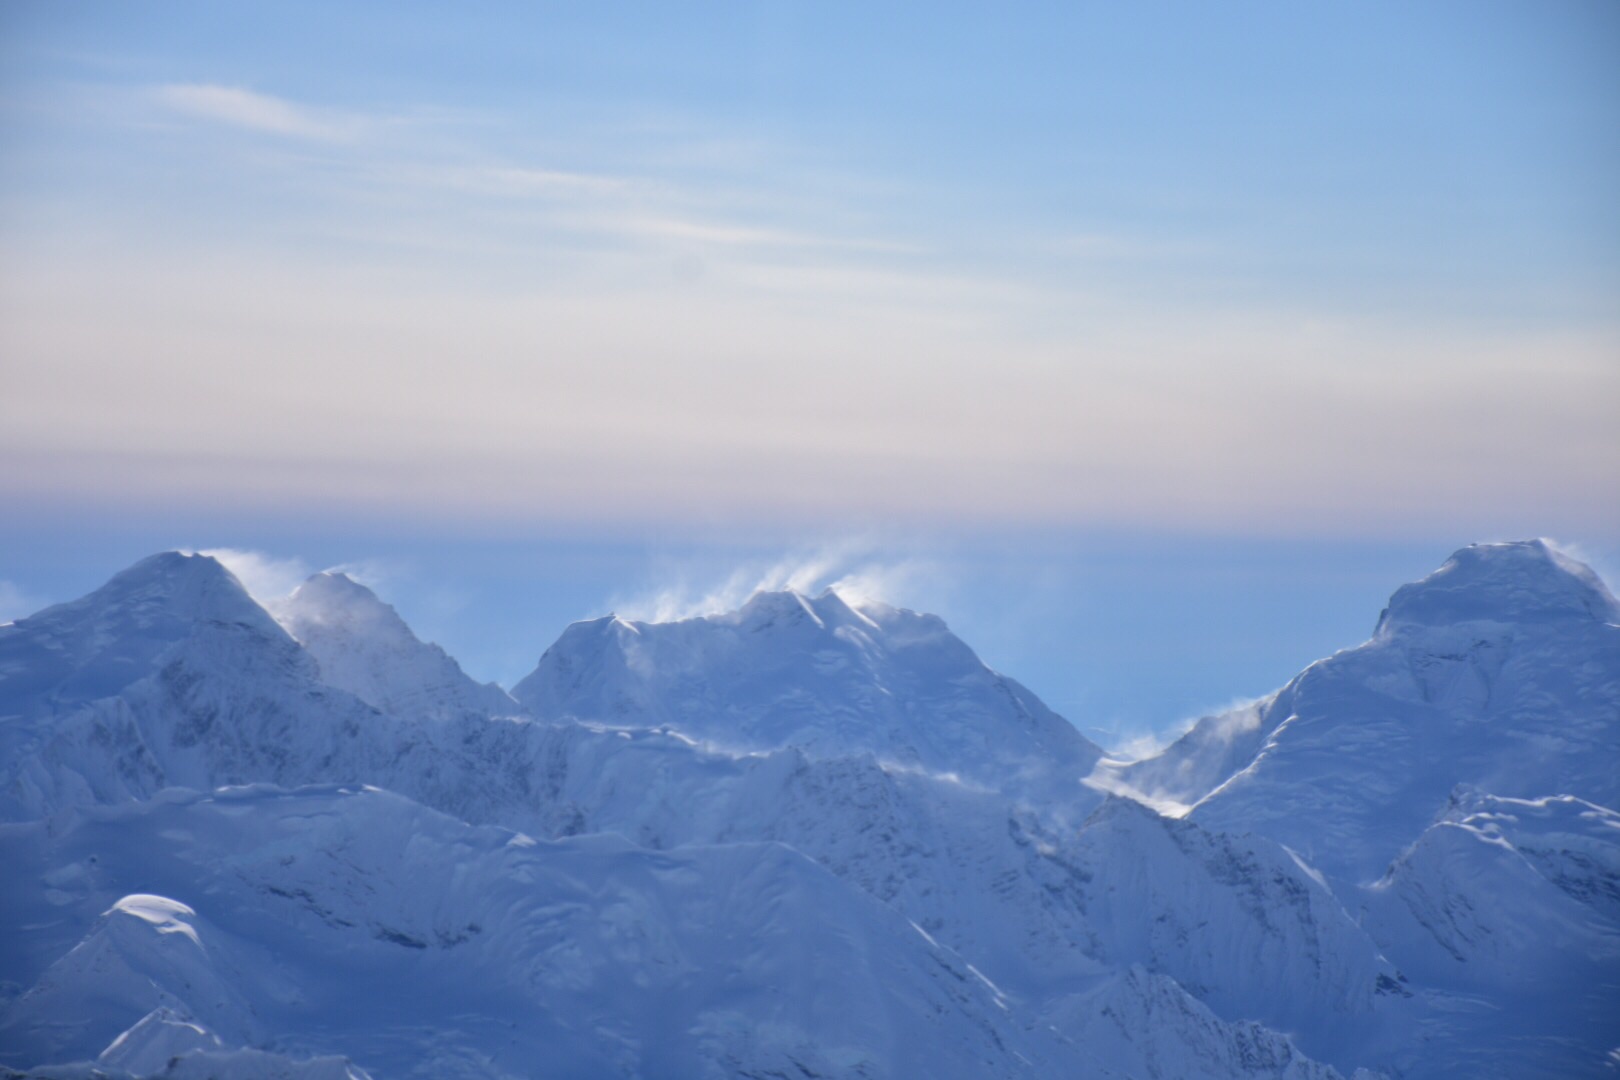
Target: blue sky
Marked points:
1039	310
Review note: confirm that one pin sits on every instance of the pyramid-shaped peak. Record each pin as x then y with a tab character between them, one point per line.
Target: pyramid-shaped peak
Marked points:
1518	581
331	605
334	583
170	584
362	645
93	647
332	596
174	569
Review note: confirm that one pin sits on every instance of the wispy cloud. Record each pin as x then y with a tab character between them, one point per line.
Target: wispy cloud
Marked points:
253	111
635	206
851	567
515	181
738	235
1102	779
374	574
15	602
267	578
474	297
646	208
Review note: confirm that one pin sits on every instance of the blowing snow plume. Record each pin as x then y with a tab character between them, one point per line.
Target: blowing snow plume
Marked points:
851	568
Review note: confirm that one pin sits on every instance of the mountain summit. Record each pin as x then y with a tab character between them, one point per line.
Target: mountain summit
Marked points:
816	673
1500	670
362	645
97	645
1522	581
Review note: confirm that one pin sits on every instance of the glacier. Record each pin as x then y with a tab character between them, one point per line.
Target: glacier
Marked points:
808	838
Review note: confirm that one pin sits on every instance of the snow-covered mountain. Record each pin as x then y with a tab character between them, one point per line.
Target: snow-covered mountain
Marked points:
356	922
361	645
169	675
804	838
818	674
1501	671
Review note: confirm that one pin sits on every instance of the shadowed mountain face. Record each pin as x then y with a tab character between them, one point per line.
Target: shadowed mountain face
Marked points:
802	838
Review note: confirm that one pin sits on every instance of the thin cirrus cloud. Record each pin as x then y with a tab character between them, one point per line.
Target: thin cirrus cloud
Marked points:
548	350
254	111
803	398
520	182
616	205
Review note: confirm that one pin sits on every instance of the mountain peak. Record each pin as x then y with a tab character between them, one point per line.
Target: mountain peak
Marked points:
161	594
96	645
194	584
1518	581
815	673
335	583
363	646
331	597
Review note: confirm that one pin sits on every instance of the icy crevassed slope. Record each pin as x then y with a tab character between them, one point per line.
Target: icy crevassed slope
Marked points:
362	645
1231	919
144	953
356	922
1150	1029
817	674
1035	904
1511	907
1501	670
1505	893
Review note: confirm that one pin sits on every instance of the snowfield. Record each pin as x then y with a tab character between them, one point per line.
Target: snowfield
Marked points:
808	838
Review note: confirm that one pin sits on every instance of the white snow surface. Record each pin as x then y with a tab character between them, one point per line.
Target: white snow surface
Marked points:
1500	671
803	839
818	674
361	645
356	920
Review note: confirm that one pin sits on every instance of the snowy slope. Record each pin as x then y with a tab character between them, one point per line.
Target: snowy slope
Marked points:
353	921
361	645
1504	891
237	703
1508	910
1208	754
817	674
855	740
980	871
1148	1027
1501	671
1231	919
